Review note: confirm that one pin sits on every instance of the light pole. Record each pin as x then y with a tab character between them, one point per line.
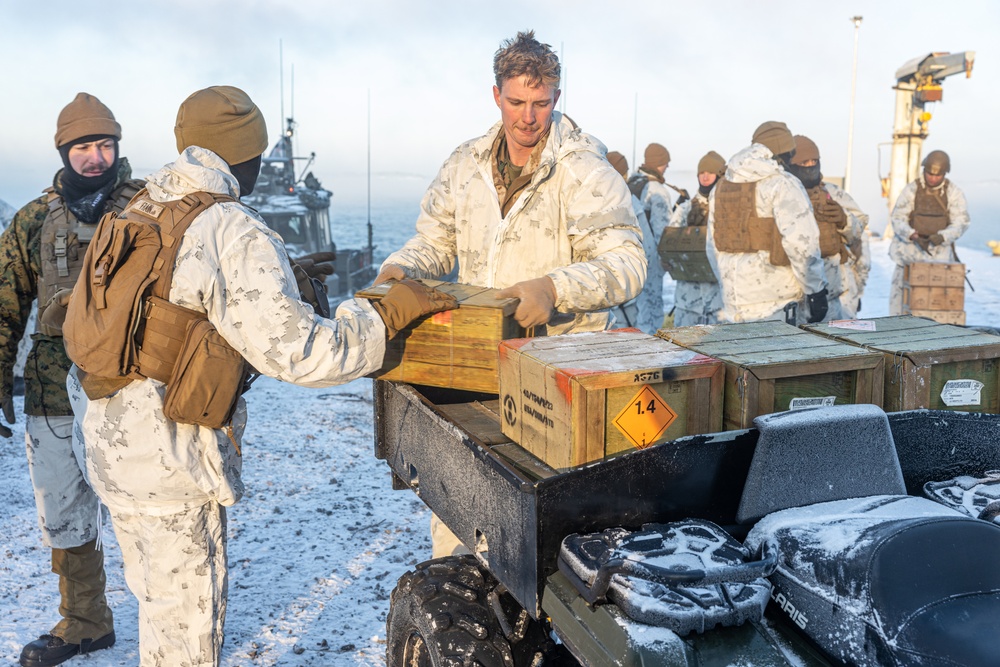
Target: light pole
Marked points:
854	87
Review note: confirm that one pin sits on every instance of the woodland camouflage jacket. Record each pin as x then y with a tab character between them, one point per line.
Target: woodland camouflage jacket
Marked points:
20	279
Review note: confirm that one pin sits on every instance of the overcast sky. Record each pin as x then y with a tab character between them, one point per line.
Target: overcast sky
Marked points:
705	74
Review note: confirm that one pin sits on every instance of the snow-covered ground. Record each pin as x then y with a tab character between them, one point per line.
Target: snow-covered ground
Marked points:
320	539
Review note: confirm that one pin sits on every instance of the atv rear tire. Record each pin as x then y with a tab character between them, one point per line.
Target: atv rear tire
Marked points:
443	614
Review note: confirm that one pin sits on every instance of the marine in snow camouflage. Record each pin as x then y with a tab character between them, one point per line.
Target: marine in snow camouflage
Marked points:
574	222
904	252
694	302
753	289
167	484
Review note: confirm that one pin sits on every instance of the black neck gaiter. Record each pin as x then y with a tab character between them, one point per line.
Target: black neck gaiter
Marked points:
810	176
85	196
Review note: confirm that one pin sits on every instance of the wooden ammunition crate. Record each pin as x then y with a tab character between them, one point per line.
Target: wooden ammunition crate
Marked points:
935	290
577	398
455	348
682	254
773	366
929	364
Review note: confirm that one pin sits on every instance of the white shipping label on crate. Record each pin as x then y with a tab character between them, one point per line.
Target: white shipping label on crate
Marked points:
855	325
961	392
811	402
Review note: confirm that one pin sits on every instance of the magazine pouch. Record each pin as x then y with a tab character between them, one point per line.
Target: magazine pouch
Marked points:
207	379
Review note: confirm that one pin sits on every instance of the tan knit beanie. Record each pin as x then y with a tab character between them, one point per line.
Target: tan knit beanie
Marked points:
224	120
712	163
83	117
776	136
656	156
618	161
805	150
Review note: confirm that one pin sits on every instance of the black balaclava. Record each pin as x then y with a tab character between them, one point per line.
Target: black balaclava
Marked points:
85	196
705	190
810	176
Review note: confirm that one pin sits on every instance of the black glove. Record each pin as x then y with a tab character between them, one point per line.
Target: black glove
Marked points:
317	264
817	306
7	406
312	290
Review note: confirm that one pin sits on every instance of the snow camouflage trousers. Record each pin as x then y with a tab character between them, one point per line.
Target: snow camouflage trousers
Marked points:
67	506
175	565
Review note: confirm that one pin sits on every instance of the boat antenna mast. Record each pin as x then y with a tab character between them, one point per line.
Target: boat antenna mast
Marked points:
371	249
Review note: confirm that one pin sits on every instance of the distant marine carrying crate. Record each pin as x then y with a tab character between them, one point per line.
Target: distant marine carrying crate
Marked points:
773	366
577	398
928	364
455	348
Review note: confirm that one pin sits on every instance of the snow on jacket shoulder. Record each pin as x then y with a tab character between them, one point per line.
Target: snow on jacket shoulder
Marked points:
753	288
574	222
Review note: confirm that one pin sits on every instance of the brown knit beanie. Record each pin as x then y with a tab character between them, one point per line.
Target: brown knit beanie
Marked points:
656	156
776	136
618	161
712	163
224	120
85	116
805	150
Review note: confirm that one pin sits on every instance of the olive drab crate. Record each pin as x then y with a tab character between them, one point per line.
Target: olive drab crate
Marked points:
577	398
773	366
683	256
456	348
935	291
928	364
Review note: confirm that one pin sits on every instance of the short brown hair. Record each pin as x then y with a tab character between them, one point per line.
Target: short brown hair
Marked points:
526	56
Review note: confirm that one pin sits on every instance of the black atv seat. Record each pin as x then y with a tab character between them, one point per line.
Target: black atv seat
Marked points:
870	574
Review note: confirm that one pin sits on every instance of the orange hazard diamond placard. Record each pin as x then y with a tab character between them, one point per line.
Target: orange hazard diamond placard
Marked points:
645	418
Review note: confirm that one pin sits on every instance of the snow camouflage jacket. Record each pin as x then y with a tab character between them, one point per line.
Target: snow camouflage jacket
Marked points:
853	274
694	303
902	250
753	288
636	313
20	281
574	222
233	268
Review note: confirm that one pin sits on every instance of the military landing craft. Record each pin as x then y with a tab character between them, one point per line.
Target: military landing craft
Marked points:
297	206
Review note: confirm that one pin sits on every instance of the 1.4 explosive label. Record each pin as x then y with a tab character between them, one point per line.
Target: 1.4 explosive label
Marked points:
644	419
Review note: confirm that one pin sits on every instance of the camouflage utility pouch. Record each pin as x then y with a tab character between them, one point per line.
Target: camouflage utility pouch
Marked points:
207	379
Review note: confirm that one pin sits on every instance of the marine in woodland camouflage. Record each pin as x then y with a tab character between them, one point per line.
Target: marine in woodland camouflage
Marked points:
20	282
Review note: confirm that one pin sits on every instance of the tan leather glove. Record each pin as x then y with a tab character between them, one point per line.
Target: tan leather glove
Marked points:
409	300
390	272
936	239
538	300
922	241
54	314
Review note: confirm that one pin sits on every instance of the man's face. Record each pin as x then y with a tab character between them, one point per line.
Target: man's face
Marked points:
933	180
526	111
92	158
706	178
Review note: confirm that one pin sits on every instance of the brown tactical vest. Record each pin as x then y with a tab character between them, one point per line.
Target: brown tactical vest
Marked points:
64	242
120	325
738	229
830	218
698	215
930	209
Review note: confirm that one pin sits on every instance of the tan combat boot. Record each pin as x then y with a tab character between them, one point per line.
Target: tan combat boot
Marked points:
87	624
